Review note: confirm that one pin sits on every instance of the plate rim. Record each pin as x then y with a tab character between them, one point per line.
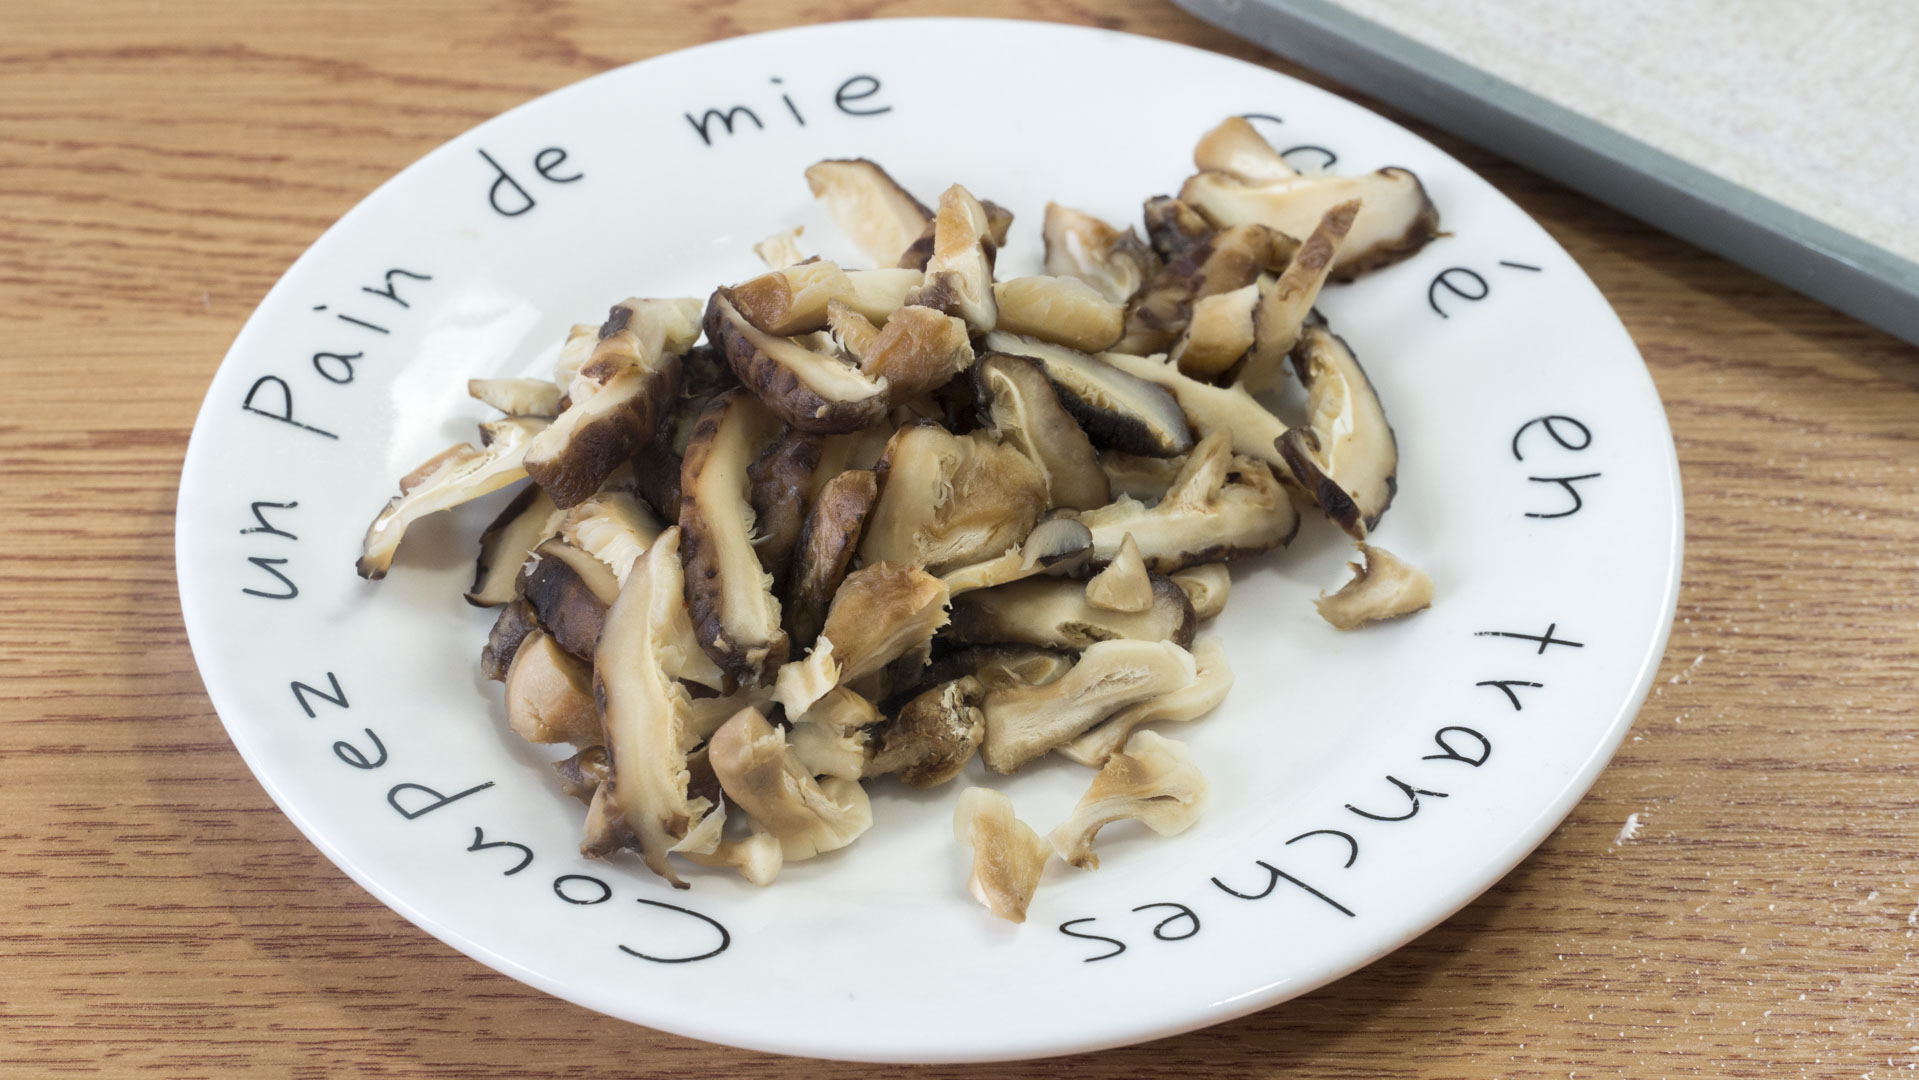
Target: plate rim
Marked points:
1447	903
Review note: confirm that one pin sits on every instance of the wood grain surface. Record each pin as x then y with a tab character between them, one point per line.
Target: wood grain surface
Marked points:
162	163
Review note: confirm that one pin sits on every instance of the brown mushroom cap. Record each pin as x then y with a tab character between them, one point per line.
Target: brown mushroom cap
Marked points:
1229	259
779	486
810	390
730	596
828	538
879	613
1113	407
932	737
1023	722
1014	395
526	522
1174	228
569	590
1080	245
1383	587
869	206
1396	218
510	630
949	500
1346	457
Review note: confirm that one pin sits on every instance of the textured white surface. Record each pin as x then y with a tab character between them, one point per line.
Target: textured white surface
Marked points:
1814	105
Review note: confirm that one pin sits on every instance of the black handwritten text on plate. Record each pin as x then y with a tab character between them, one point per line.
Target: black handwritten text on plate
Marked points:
856	96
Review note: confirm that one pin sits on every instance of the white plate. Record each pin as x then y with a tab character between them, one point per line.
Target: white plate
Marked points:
1340	827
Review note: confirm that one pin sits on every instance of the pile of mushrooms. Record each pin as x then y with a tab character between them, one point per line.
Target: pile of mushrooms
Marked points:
836	524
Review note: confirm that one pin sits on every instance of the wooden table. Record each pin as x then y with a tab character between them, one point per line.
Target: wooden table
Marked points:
164	163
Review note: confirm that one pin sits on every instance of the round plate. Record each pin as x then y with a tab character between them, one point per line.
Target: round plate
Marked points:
1364	785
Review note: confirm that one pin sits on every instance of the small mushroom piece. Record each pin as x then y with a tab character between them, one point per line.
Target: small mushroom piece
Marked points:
1063	310
810	390
1080	245
830	737
852	333
570	591
549	694
1212	679
959	276
612	526
1218	335
1014	395
948	500
1135	476
795	300
575	351
1285	303
1008	856
829	536
1221	505
734	611
582	774
527	522
1114	408
757	856
517	397
1229	259
917	350
1395	220
932	737
1346	456
1207	586
1124	585
1210	409
1054	613
516	622
645	712
760	773
779	485
1235	147
995	666
617	400
880	612
1057	545
869	206
453	476
999	223
1174	228
1153	781
1023	722
782	249
1383	587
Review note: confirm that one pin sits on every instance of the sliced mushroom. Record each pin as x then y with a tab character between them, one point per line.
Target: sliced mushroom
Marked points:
1383	587
1114	408
1021	405
656	479
1124	586
1219	334
959	276
1055	614
918	349
517	397
645	712
828	538
1346	457
1229	259
616	401
1063	310
510	630
999	223
1211	679
1395	220
1136	476
1023	722
734	611
1207	586
869	206
1174	228
879	613
852	333
1284	305
1008	856
549	694
779	485
782	249
1221	505
1229	410
569	590
612	526
757	856
810	390
453	476
582	774
795	300
1080	245
1057	545
932	737
760	773
525	524
994	666
830	737
1235	147
1153	781
949	500
574	353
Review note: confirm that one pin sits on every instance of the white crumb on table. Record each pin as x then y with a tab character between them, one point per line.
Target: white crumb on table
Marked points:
1627	832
